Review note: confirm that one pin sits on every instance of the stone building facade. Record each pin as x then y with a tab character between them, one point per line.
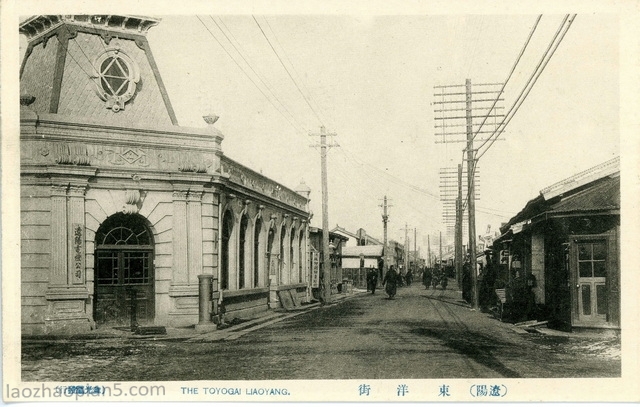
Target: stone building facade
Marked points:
118	201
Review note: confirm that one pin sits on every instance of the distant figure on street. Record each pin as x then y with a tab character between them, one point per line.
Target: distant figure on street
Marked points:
426	278
389	282
444	280
409	277
372	279
467	282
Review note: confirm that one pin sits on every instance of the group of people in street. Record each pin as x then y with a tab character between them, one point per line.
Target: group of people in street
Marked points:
434	277
391	280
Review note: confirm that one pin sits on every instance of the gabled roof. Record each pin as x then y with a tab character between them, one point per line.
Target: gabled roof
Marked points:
598	191
602	196
367	251
338	229
582	178
361	234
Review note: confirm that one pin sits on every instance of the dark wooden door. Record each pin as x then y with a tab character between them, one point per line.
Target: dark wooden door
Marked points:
124	275
120	276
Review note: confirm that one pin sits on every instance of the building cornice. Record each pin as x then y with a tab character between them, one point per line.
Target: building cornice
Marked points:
38	26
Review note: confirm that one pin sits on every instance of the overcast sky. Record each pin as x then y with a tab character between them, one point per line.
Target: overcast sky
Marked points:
370	79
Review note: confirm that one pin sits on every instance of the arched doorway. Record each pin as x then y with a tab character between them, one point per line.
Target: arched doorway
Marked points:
242	251
124	270
282	263
256	253
300	257
225	254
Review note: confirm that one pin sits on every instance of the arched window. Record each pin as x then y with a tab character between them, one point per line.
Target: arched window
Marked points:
300	256
256	253
244	222
121	229
282	252
272	234
292	253
117	78
227	228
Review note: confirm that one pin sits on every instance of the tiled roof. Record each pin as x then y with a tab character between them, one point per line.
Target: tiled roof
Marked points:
591	194
79	97
42	67
604	195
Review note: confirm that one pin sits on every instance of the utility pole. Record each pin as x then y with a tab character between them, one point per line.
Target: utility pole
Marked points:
326	260
415	251
406	247
440	240
429	250
459	230
385	220
471	201
457	109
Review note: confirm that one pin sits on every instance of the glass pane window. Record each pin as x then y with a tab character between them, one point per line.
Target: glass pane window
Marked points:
585	269
122	229
601	299
115	76
584	251
599	269
586	299
592	259
136	268
107	273
599	251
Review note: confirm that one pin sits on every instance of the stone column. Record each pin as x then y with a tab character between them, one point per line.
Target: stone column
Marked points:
58	276
67	293
183	292
180	262
194	233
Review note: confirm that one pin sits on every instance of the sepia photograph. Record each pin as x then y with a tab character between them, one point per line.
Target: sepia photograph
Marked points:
399	204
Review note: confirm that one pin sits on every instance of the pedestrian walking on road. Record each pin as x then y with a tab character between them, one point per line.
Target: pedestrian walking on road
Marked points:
426	278
389	282
372	279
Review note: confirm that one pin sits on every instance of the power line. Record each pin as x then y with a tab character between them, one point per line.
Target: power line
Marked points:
426	216
293	67
549	52
397	180
266	84
532	79
66	50
524	47
288	73
248	76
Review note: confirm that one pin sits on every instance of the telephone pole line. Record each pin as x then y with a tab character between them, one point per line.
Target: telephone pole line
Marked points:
415	250
429	251
459	231
406	246
471	201
326	260
440	241
385	220
456	110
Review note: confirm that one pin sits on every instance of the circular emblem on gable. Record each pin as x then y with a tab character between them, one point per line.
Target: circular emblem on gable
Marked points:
117	76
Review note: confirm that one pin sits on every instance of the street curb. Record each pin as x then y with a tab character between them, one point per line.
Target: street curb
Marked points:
231	334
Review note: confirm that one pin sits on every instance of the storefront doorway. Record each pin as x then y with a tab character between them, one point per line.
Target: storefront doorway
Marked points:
589	265
123	271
